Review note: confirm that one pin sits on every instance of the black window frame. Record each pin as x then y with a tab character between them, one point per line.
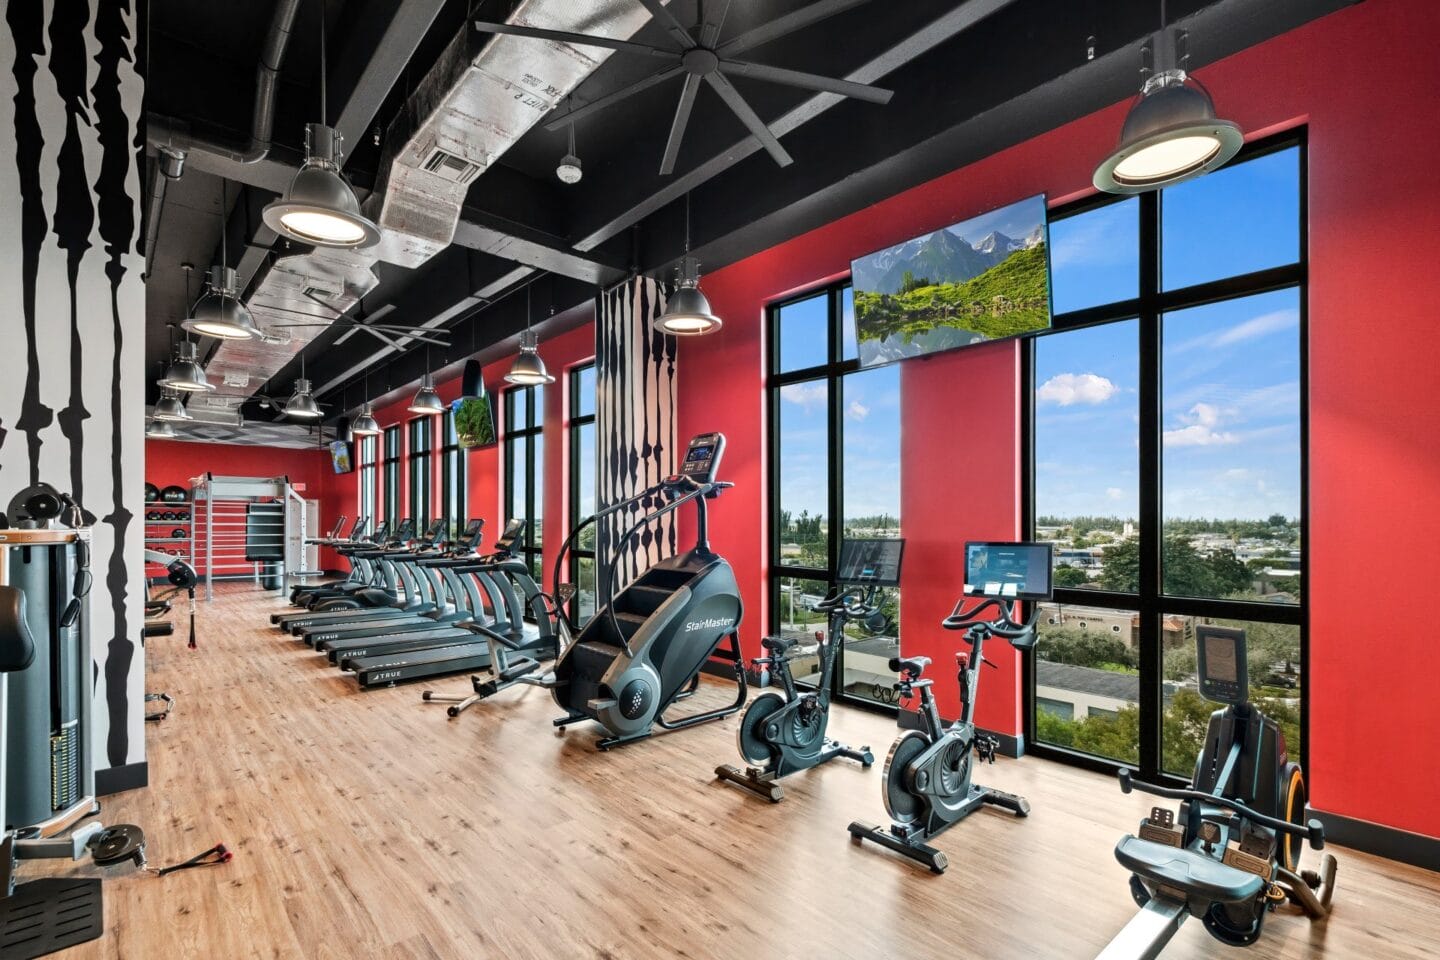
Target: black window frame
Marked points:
833	372
1150	603
534	428
454	497
391	470
366	455
420	458
578	421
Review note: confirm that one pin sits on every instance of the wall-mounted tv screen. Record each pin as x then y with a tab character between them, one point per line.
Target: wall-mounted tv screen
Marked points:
474	421
985	279
340	456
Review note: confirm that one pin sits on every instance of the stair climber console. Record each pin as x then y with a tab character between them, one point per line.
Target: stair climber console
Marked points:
646	645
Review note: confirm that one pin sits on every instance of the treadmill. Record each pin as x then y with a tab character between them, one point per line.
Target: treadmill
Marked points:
334	538
442	616
386	598
363	574
388	669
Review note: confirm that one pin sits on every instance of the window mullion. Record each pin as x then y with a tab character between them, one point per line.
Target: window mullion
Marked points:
1150	508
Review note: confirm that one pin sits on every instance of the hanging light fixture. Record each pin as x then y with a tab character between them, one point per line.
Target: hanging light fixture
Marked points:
687	312
220	314
426	399
169	408
160	430
1171	133
184	373
528	370
319	207
365	424
569	169
302	403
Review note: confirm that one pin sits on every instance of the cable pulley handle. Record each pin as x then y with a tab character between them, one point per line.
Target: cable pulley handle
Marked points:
1312	830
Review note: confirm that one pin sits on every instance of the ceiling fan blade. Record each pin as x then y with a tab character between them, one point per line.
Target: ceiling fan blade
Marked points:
789	23
714	20
579	39
678	125
594	106
808	81
667	20
382	336
757	127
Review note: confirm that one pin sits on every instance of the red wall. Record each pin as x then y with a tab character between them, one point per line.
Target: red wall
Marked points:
1363	82
176	462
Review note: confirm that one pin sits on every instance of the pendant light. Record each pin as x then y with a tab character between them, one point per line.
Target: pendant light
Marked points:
220	314
528	370
184	373
319	207
160	430
687	312
169	408
301	403
426	400
1171	133
569	170
365	425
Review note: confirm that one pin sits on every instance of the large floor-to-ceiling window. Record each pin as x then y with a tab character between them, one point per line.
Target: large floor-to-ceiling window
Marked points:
365	505
453	500
1167	457
524	467
391	465
835	472
582	489
421	470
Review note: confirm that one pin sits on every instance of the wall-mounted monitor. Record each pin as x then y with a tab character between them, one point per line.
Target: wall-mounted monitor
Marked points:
340	456
474	421
987	278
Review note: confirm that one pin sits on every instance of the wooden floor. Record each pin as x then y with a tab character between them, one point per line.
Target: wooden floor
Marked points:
367	825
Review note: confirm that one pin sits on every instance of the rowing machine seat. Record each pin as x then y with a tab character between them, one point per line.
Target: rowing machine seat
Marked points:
1206	878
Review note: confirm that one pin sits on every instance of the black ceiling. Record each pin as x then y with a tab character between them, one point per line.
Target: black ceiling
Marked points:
1011	75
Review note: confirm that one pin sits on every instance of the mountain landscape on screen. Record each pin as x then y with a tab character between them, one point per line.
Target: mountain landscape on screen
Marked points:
980	280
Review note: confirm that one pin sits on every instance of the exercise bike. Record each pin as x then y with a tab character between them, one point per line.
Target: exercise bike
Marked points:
781	733
928	774
1232	853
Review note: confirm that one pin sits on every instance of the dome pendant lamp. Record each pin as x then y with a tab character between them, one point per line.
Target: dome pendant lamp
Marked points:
528	370
160	430
365	424
1171	133
184	373
687	312
302	403
169	408
220	314
426	400
320	208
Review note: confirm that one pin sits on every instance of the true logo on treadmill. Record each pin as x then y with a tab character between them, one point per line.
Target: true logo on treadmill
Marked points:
386	675
709	623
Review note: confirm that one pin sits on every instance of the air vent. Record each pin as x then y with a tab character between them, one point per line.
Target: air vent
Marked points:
235	379
449	167
321	293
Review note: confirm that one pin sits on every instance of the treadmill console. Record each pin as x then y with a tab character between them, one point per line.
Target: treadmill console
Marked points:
702	457
1221	664
406	531
511	537
469	538
1011	571
436	531
870	562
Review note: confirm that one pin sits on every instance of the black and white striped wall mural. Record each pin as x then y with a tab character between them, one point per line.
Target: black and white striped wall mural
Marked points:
73	309
635	421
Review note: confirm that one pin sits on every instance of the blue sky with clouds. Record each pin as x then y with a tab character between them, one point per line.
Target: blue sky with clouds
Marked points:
1230	395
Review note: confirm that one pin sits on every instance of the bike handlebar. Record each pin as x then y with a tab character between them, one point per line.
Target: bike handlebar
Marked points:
1312	830
1007	626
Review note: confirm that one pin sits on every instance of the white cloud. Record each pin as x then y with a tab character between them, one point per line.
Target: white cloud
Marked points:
857	410
1115	493
1200	429
807	395
1266	323
1066	389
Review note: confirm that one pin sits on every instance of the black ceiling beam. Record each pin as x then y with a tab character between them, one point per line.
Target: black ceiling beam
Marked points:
487	233
384	35
939	30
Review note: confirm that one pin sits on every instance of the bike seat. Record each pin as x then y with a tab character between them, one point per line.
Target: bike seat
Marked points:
1199	875
911	665
778	645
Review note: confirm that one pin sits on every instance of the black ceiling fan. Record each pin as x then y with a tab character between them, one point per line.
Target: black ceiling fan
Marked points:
702	57
390	334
